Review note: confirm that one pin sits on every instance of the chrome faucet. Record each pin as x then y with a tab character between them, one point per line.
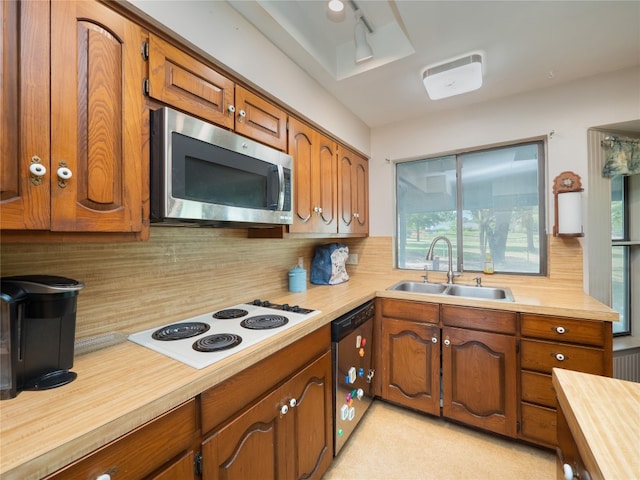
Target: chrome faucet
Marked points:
450	273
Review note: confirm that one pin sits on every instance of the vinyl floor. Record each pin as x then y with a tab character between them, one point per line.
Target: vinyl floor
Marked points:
393	443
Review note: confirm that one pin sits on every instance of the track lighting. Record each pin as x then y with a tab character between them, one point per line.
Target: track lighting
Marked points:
363	49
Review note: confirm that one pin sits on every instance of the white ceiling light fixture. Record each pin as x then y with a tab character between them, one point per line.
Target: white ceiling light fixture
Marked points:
454	77
363	49
335	11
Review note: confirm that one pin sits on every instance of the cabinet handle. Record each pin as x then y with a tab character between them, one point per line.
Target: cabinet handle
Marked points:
434	339
64	174
560	357
231	109
293	402
241	114
560	330
447	342
104	476
284	409
567	471
37	169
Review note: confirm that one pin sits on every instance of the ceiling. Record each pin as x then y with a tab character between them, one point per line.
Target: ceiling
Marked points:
525	45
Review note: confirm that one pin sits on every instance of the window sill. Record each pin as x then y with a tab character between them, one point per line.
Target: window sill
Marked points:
628	342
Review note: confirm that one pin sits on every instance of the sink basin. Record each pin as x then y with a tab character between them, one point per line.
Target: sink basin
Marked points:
467	291
488	293
418	287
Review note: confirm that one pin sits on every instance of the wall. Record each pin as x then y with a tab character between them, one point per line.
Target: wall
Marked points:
179	273
568	110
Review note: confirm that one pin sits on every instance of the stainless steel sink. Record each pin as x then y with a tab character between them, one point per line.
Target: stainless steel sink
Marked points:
489	293
418	287
456	290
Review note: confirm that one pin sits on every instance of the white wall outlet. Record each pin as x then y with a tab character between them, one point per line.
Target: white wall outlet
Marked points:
352	259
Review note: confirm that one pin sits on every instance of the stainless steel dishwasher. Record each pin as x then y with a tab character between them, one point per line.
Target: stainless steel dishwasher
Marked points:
351	346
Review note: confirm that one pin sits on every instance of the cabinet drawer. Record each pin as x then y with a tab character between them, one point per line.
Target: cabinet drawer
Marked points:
479	319
588	332
539	424
140	452
414	311
537	388
543	356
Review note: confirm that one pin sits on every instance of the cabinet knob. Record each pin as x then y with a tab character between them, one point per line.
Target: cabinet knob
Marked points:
293	402
231	109
434	339
447	342
104	476
560	330
37	169
567	471
284	409
560	357
241	114
64	173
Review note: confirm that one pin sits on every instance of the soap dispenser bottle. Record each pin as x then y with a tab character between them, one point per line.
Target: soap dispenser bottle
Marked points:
488	265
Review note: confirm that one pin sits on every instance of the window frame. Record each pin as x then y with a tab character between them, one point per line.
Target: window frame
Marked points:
459	251
625	245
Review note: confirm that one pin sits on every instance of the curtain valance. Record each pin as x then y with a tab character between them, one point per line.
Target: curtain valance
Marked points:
622	156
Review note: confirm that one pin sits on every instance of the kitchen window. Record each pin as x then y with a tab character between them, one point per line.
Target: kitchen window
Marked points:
488	202
620	254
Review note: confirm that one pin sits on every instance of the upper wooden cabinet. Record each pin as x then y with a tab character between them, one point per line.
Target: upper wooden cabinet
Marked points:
353	192
315	180
178	79
77	162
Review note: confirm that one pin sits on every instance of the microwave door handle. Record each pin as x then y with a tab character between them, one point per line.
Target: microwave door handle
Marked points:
281	187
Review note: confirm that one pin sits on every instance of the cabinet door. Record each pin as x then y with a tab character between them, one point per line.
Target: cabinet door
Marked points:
315	198
97	110
411	364
182	81
24	115
258	119
479	379
311	420
250	446
353	191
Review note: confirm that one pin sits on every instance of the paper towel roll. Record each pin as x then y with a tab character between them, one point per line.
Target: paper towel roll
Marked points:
569	213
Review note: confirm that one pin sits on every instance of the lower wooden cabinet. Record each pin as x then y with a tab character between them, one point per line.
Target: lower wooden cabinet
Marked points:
284	435
477	369
547	342
479	379
160	449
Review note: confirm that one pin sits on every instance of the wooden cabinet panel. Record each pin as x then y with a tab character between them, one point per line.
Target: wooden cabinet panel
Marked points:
414	311
353	191
276	438
542	356
24	115
537	388
539	424
411	364
563	329
479	379
479	319
247	447
311	419
141	451
181	469
315	163
260	120
182	81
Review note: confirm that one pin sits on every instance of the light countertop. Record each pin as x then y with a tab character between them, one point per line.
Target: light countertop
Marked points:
123	386
603	415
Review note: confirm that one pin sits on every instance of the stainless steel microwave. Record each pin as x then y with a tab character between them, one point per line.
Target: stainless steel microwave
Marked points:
204	174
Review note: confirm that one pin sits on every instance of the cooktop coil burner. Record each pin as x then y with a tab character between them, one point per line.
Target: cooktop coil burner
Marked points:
230	313
178	331
217	342
264	322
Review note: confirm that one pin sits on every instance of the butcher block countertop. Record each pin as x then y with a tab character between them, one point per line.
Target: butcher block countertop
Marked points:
603	415
124	386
